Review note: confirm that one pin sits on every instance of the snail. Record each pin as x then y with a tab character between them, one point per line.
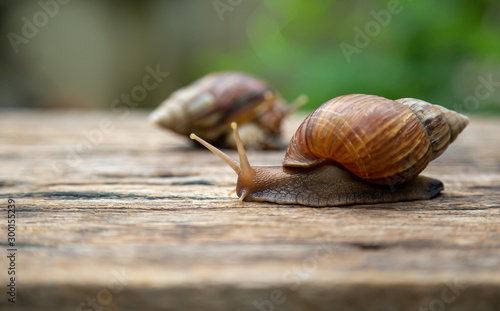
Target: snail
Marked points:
353	149
208	106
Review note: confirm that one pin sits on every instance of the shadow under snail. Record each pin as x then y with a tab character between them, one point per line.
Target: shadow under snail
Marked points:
353	149
207	107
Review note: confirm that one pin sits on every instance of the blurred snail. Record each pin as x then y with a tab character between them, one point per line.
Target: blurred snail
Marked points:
353	149
209	105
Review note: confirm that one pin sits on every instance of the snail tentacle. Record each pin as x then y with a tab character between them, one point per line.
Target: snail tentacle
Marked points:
232	163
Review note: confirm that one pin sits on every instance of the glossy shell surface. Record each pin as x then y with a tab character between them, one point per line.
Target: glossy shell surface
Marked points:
379	140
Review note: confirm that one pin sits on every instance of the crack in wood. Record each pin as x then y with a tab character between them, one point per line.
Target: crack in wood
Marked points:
75	195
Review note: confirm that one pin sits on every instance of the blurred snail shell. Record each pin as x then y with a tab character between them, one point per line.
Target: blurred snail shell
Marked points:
354	149
209	105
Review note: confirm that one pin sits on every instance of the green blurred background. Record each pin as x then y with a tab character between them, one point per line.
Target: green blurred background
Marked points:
90	52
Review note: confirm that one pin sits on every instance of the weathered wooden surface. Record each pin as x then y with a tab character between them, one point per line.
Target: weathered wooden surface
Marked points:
144	217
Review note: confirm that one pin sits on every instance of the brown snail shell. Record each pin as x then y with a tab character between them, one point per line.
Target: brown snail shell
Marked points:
380	140
209	105
354	149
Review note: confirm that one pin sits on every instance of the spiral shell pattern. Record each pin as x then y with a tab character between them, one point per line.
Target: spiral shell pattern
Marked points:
380	140
207	106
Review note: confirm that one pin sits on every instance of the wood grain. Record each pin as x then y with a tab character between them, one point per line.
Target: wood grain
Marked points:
137	219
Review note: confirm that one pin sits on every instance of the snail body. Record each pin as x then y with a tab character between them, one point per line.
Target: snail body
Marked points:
354	149
208	106
329	184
